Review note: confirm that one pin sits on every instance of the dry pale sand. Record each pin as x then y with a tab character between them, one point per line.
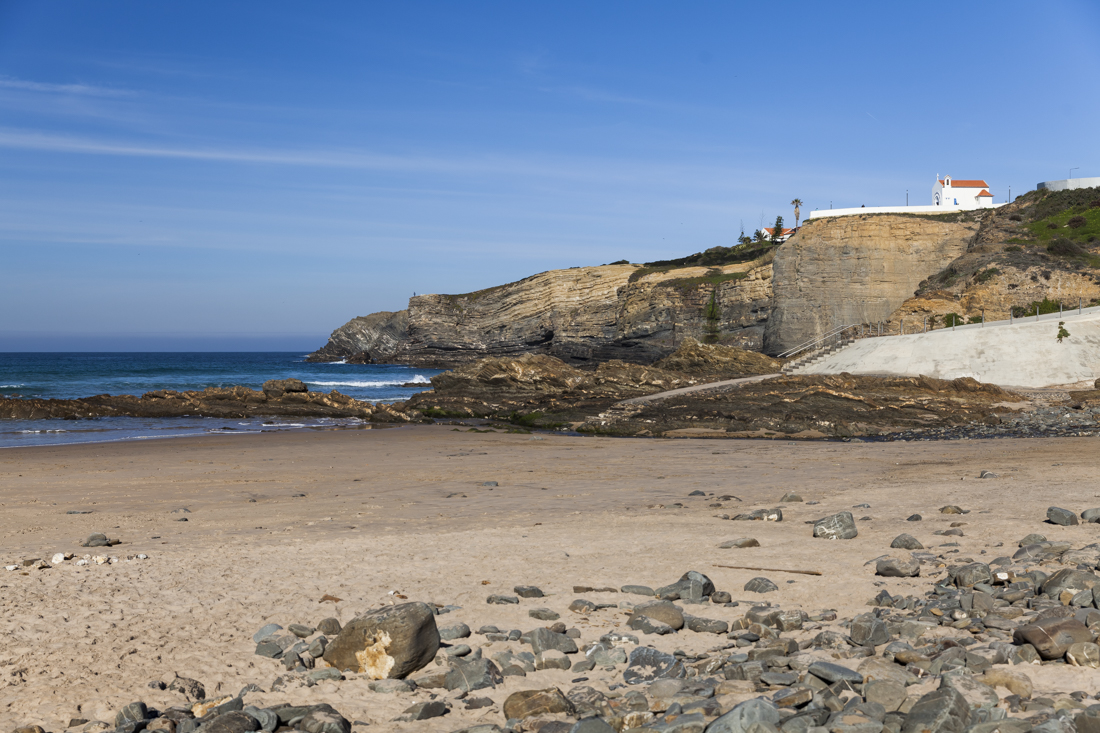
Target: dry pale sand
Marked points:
376	517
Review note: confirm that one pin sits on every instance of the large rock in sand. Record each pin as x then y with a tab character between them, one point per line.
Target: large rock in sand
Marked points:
1071	580
390	643
745	715
942	711
528	703
1052	637
836	527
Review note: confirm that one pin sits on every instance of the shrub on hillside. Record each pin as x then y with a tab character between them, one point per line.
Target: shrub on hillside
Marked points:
1065	248
1077	222
952	319
1052	225
1016	217
1040	307
1052	203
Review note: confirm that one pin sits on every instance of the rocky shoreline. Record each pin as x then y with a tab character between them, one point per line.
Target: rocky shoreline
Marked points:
283	397
537	391
955	654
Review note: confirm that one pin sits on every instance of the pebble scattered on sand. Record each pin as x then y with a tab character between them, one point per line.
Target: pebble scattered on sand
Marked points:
944	647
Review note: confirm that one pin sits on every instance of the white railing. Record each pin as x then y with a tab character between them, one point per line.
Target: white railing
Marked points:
830	338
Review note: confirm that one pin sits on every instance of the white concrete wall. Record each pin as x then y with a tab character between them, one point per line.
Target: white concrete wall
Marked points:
819	213
1068	183
1023	354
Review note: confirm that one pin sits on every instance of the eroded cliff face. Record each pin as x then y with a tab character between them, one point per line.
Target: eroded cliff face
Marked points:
856	269
583	315
364	338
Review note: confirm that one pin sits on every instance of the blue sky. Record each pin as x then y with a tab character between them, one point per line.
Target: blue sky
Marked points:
252	175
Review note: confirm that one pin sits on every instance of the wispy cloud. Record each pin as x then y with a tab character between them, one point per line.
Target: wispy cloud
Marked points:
597	95
591	169
7	82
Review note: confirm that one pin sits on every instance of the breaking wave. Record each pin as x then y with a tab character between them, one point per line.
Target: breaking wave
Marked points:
418	379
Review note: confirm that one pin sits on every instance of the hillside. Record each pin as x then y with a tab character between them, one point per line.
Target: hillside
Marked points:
1041	250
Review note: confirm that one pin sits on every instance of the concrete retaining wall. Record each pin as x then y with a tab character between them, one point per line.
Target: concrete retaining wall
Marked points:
1067	184
1023	354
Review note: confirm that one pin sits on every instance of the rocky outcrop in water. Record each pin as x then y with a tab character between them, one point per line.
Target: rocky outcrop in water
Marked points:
361	339
286	397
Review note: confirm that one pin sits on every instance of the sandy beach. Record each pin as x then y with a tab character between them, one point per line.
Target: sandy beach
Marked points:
275	522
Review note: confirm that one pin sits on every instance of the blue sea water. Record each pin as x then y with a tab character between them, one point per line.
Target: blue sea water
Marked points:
68	375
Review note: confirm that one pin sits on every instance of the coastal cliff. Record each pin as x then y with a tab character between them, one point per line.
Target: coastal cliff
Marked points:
360	338
864	269
856	269
582	315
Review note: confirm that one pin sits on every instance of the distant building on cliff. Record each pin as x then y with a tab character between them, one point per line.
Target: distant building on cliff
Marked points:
948	194
959	194
769	234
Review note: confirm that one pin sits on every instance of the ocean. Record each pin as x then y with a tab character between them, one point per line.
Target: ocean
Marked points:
68	375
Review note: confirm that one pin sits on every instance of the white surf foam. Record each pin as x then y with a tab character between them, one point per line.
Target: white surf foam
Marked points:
418	379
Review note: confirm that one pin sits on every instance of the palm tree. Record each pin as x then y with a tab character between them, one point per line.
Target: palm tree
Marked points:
797	211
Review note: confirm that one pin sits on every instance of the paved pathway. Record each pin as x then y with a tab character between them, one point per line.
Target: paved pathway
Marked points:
697	388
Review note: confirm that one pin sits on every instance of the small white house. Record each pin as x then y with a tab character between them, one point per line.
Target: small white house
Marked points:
769	234
960	194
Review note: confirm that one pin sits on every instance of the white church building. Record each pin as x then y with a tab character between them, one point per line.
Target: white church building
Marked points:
948	194
960	194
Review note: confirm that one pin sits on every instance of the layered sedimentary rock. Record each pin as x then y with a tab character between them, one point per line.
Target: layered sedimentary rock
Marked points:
717	362
543	391
855	270
582	315
361	338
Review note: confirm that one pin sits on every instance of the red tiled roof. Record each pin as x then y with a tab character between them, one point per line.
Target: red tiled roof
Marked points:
985	193
771	231
957	183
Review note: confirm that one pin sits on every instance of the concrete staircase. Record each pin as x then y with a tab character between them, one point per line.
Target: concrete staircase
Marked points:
797	366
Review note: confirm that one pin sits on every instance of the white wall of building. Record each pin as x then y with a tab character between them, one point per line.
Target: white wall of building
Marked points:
821	213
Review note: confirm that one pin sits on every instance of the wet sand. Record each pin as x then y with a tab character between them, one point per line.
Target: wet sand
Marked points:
406	509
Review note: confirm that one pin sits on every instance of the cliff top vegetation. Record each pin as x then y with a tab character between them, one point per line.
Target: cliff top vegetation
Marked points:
713	257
